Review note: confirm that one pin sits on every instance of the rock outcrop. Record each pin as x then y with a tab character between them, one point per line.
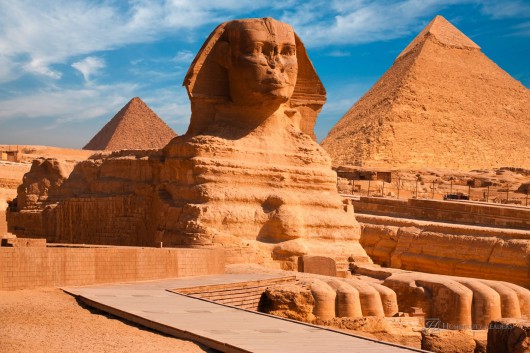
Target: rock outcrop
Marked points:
489	253
443	104
134	127
509	336
247	176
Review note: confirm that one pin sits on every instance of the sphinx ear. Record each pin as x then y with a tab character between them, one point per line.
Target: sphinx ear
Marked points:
223	54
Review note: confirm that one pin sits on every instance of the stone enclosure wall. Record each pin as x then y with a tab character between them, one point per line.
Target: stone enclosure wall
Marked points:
449	249
30	267
450	212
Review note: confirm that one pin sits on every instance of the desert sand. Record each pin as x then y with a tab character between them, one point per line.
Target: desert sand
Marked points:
48	320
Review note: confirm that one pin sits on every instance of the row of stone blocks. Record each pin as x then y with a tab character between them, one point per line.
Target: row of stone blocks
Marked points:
30	267
246	295
472	213
448	249
455	302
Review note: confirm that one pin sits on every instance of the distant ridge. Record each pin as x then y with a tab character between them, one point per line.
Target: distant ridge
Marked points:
135	126
442	104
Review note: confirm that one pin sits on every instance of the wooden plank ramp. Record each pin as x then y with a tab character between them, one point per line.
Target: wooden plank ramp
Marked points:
159	305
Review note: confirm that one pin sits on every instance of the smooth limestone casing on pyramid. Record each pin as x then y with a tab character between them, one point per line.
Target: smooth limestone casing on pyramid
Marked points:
443	104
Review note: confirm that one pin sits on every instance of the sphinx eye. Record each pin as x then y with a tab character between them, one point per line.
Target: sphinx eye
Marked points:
288	50
256	48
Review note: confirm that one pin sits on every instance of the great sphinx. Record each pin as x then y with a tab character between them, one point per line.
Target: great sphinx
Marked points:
247	176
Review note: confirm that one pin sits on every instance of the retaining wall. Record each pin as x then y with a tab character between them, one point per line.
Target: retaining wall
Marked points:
30	267
493	215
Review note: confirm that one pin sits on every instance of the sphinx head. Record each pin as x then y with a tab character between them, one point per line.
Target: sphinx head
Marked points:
260	59
253	63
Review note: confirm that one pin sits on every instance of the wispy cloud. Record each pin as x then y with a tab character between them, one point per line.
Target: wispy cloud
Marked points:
357	22
66	105
51	32
338	53
34	35
506	9
40	66
184	57
89	66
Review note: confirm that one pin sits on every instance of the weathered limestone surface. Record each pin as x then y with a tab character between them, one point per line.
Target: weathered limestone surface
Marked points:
489	253
331	298
134	127
448	341
442	104
472	213
246	176
459	303
320	265
509	336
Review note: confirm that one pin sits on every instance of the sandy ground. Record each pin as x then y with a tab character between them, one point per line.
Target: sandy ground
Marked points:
51	321
29	152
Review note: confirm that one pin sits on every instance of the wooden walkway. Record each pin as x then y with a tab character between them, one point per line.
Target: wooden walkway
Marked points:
224	328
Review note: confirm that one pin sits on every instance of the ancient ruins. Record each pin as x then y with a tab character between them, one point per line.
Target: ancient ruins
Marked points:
134	127
249	185
441	104
244	177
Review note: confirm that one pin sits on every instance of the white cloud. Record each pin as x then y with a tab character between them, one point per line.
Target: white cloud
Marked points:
68	105
39	66
89	66
338	53
359	21
506	9
34	35
184	57
50	32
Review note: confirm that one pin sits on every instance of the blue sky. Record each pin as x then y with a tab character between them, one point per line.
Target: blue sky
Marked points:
66	67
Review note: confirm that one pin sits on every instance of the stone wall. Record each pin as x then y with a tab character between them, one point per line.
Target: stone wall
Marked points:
449	249
3	223
30	267
494	215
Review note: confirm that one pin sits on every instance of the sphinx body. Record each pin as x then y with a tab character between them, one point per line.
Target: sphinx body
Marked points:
247	176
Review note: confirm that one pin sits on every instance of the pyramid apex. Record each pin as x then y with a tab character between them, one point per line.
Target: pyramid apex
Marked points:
135	126
445	33
136	100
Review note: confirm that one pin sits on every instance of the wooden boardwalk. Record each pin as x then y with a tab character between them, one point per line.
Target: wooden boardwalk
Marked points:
225	328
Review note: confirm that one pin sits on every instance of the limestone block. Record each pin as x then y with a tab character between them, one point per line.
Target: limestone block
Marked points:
406	236
483	253
320	265
371	304
23	242
523	295
388	299
510	306
440	298
324	298
448	341
290	301
486	305
509	336
379	242
348	303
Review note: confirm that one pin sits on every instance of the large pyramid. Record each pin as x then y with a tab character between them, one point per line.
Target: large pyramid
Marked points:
442	104
134	127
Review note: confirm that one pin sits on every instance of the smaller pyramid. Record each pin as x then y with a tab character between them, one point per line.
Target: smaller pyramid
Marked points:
134	127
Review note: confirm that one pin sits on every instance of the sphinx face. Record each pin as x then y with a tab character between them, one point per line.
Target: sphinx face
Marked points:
263	62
